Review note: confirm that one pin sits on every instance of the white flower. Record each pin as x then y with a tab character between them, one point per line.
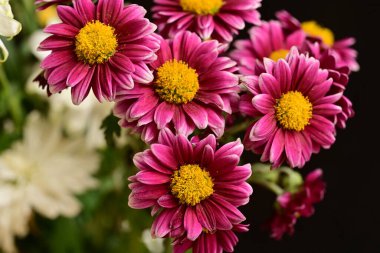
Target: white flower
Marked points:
42	173
82	120
8	27
154	245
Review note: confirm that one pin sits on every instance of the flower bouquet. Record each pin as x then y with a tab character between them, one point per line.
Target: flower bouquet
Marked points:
104	111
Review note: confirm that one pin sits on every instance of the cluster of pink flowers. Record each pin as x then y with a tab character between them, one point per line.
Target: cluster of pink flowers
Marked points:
292	206
176	88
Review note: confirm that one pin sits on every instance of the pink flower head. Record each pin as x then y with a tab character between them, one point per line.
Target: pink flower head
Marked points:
193	187
274	39
43	4
294	109
218	242
211	19
99	47
266	41
342	49
300	204
192	87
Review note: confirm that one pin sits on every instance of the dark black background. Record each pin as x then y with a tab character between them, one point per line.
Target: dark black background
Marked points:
348	220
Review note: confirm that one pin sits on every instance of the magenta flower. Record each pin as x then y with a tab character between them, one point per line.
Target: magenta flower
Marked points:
192	88
342	49
212	19
266	41
300	204
294	109
193	187
43	4
272	40
99	47
218	242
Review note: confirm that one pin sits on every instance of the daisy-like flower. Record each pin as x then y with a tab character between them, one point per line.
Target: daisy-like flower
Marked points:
99	47
293	105
272	40
342	49
42	173
212	19
192	87
218	242
194	187
292	206
266	41
9	27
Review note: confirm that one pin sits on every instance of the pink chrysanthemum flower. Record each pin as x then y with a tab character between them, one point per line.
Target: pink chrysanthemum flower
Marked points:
294	109
218	242
272	40
194	187
43	4
212	19
342	49
299	204
266	41
192	87
99	47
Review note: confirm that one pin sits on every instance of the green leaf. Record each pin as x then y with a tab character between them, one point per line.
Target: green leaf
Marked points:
111	129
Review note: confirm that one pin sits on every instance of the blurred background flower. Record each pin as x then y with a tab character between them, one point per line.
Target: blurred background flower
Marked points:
9	27
42	173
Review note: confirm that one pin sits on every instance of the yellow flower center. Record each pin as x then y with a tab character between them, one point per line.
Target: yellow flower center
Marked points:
279	54
176	82
202	7
191	184
293	111
313	29
95	43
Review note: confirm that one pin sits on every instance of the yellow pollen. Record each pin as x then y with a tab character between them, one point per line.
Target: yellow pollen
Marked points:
191	184
313	29
176	82
95	43
202	7
293	111
279	54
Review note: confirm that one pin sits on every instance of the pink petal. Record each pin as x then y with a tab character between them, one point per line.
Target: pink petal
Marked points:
183	150
81	90
191	224
269	85
264	103
197	113
152	178
78	73
161	225
168	201
165	155
164	114
277	147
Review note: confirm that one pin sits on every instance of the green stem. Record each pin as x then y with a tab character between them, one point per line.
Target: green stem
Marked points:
238	128
267	180
270	186
4	80
11	97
